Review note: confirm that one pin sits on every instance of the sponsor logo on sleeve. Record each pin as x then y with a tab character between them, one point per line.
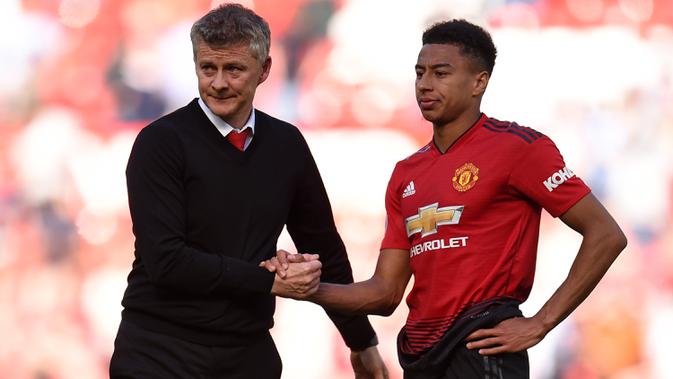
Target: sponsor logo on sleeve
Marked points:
558	178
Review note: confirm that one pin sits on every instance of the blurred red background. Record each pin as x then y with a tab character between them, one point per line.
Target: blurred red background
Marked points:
79	78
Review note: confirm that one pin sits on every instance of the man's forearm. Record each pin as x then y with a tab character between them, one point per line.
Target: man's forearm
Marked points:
379	295
368	297
595	256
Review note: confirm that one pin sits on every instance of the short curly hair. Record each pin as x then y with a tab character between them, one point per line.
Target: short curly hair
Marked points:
233	24
472	40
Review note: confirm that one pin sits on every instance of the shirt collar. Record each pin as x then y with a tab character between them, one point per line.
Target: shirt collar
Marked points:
222	125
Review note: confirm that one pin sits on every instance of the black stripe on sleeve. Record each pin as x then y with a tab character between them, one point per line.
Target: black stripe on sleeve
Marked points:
508	130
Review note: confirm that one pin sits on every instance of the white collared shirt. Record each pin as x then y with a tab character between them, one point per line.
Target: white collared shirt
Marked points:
224	128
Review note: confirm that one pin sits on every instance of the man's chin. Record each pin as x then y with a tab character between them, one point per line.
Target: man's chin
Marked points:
220	108
436	119
429	116
214	101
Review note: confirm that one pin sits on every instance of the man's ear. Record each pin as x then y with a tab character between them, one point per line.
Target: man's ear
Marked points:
266	68
480	83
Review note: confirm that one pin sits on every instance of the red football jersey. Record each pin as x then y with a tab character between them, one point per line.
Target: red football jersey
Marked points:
470	219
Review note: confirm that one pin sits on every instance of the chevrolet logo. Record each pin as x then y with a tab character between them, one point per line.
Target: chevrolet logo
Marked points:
429	217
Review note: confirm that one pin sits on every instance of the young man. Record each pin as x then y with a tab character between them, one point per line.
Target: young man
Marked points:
199	183
463	217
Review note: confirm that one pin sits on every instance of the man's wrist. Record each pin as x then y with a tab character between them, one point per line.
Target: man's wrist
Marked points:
356	330
545	321
372	342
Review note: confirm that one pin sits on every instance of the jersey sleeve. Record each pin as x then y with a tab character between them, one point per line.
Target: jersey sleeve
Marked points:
542	176
395	236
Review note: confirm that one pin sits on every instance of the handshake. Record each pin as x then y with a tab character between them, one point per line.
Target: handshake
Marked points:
297	275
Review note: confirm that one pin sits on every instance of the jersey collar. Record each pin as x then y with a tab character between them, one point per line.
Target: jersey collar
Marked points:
459	141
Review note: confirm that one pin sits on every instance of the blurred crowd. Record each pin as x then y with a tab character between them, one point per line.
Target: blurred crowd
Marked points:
80	78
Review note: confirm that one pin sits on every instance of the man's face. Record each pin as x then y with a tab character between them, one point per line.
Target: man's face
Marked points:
228	78
447	83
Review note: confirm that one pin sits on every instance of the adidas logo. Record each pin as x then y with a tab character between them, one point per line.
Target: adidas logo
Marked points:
410	190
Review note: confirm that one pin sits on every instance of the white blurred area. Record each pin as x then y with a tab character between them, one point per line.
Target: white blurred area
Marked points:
79	79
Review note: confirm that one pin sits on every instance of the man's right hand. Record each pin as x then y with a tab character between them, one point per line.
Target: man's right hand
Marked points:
300	281
280	263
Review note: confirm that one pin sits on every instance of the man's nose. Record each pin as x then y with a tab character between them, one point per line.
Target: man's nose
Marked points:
220	82
423	83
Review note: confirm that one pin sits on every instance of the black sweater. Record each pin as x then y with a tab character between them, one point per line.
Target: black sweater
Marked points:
205	214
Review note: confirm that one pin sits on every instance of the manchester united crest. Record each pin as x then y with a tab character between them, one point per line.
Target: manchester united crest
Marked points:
466	177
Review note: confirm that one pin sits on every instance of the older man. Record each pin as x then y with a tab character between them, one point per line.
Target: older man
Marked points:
211	187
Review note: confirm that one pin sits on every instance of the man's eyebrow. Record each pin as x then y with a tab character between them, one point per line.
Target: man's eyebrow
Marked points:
436	65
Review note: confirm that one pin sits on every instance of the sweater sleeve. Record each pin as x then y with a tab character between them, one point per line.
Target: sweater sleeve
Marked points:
312	228
155	184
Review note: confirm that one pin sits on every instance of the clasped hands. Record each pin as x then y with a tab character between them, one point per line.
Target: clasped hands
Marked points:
297	275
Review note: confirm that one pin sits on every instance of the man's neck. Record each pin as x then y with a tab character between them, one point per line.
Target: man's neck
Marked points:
446	134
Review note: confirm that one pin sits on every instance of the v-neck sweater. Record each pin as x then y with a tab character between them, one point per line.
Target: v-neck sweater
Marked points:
205	214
